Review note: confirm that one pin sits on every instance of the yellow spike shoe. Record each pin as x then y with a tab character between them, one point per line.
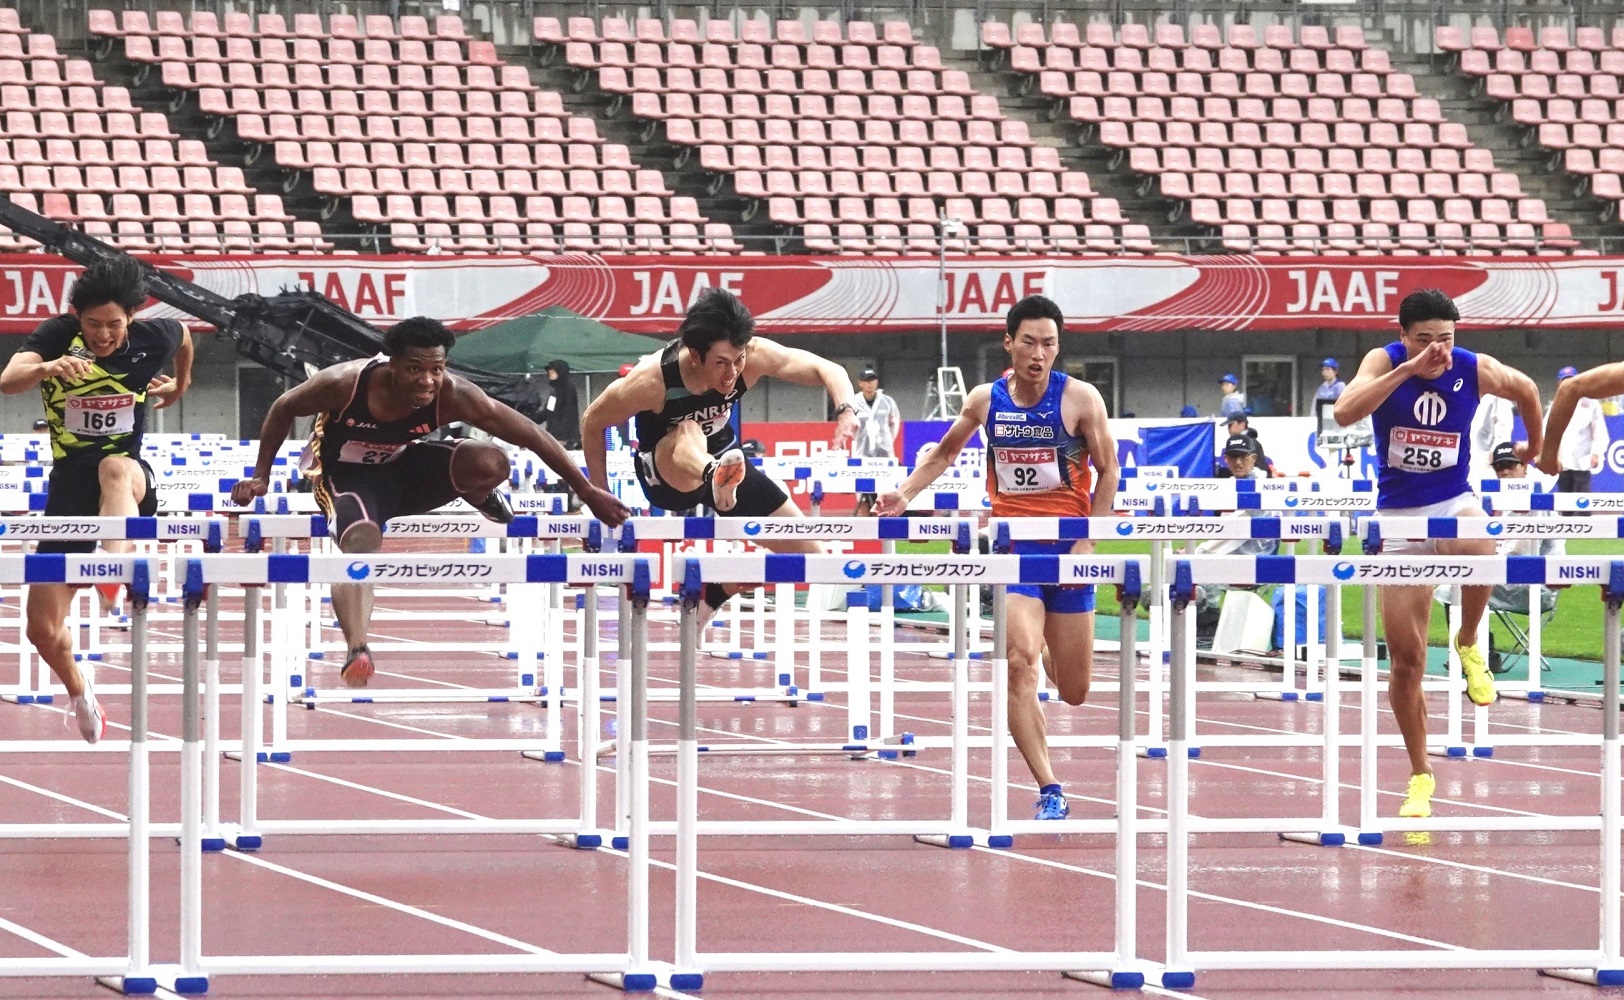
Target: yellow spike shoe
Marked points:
1418	799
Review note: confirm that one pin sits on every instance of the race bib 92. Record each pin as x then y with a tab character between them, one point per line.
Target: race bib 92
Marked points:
1412	450
100	416
1027	470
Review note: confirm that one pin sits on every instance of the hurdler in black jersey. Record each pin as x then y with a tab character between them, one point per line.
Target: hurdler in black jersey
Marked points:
369	468
370	461
681	400
753	494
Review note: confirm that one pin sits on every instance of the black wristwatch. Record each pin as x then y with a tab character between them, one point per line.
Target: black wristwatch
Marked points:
844	408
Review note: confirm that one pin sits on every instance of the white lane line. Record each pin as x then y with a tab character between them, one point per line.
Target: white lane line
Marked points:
34	937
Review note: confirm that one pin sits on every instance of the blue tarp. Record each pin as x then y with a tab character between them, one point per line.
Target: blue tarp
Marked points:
1186	447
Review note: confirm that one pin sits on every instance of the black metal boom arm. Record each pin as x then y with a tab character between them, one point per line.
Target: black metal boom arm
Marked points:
292	333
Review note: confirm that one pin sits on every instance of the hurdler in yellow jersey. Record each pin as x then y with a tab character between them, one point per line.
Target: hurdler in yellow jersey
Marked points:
96	368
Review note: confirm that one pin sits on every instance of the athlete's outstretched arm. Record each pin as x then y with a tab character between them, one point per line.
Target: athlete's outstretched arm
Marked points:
971	418
1378	377
624	399
1095	430
1496	379
768	357
168	390
1596	383
328	389
465	401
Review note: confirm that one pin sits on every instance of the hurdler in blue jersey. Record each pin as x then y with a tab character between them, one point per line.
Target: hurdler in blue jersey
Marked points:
95	368
1421	394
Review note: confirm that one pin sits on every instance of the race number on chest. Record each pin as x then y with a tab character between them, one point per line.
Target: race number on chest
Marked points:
1027	470
1414	450
100	416
368	452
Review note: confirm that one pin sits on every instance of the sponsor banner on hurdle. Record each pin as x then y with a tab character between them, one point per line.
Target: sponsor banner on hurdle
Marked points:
1176	528
939	569
76	569
825	529
258	570
1567	503
1306	501
69	529
1496	529
1420	571
428	526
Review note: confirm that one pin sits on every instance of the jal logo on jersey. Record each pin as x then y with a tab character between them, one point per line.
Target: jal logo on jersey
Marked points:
1430	409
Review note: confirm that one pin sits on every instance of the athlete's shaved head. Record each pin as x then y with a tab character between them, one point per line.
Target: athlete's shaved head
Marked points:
1426	304
121	281
419	331
717	315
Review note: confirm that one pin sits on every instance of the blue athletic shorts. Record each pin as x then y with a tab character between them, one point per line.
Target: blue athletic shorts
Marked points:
1057	600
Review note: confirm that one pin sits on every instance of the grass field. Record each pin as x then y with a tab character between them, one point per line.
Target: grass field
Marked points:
1574	632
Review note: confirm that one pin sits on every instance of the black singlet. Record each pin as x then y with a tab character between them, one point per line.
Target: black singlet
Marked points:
351	438
710	409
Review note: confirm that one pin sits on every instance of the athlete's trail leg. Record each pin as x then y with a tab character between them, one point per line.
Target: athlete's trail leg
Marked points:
1405	614
1025	628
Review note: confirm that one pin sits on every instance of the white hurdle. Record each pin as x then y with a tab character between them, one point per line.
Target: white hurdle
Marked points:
1597	965
955	830
631	969
134	972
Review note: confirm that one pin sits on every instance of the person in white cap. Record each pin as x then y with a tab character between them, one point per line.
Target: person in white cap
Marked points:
878	421
1583	442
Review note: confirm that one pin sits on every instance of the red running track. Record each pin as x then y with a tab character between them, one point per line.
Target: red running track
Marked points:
494	894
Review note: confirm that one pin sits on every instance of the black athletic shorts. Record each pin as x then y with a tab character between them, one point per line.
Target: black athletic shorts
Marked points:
416	482
758	496
74	490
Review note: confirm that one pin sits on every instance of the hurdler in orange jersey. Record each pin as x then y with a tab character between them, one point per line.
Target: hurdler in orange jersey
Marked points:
1043	430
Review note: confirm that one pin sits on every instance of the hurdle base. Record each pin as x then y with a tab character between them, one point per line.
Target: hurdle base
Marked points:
1277	695
586	840
1531	695
1589	977
262	757
28	699
548	756
1454	752
1131	976
166	977
1160	752
236	840
130	986
966	839
1336	837
656	975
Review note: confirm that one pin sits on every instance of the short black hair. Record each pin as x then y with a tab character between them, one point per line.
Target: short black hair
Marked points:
120	280
1034	307
419	331
1427	303
715	316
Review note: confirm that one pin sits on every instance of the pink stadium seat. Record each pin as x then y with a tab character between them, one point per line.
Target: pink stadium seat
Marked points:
1520	38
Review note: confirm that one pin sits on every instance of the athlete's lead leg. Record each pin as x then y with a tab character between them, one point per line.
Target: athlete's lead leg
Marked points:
352	605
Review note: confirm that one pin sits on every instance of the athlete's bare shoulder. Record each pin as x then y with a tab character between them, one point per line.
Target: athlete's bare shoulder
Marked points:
977	402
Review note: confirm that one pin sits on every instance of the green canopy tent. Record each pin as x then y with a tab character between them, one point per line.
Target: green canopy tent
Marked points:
526	344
